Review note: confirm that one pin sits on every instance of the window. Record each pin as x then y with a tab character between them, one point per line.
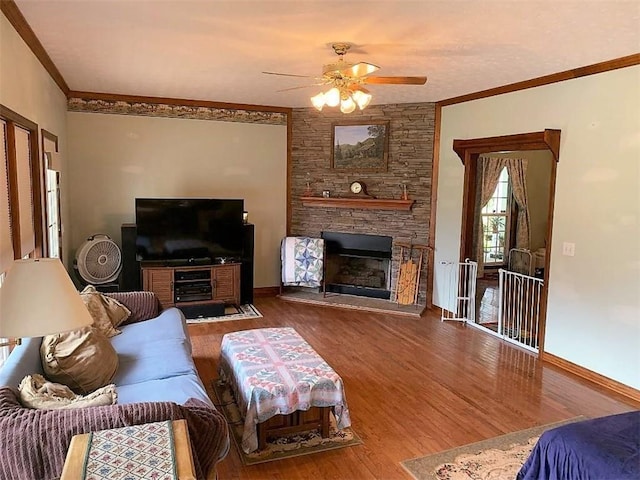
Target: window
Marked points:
495	223
21	180
53	213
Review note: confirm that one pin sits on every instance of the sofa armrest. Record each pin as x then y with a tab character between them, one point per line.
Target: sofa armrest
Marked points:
33	443
143	305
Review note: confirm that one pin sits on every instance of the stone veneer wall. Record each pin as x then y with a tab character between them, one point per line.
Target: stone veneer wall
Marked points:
410	160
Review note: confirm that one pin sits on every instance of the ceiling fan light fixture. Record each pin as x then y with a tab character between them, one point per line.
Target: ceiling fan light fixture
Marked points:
332	97
362	97
318	101
347	105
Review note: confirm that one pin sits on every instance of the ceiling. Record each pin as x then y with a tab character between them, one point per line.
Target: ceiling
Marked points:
216	50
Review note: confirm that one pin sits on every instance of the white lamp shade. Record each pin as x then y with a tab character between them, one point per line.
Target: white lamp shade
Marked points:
362	98
347	105
318	101
38	298
332	97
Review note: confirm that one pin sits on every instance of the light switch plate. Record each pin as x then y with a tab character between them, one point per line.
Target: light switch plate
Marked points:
568	249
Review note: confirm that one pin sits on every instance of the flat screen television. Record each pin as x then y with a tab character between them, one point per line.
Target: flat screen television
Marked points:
188	230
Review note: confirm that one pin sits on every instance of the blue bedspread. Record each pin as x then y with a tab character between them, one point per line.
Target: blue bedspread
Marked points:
606	448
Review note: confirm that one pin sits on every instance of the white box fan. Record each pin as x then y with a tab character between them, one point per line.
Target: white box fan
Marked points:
98	260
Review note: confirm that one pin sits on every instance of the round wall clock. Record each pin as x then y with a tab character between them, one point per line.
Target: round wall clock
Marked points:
357	187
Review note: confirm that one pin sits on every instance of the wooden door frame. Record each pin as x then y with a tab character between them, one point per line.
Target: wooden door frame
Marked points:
469	151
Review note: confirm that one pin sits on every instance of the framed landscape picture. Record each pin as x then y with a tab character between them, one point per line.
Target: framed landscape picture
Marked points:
360	146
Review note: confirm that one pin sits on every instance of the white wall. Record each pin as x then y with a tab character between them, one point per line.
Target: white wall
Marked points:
593	315
115	158
27	89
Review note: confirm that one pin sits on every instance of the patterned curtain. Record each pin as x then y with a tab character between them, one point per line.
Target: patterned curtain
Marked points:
517	168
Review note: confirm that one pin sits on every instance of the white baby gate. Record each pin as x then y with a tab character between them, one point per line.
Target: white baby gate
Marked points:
460	290
519	306
520	297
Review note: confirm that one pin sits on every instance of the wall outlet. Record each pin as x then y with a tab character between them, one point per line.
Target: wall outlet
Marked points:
568	249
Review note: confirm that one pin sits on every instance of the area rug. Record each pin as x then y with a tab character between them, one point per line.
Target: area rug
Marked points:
495	458
286	446
231	312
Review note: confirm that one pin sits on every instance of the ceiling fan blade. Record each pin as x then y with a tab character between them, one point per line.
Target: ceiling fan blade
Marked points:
359	69
395	80
287	74
298	88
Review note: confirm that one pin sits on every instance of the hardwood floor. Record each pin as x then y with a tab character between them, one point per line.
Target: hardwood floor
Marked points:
415	386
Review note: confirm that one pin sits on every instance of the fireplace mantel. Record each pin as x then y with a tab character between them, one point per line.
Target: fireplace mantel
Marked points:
360	203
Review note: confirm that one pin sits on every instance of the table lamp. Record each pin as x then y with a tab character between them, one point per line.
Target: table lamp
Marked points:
38	298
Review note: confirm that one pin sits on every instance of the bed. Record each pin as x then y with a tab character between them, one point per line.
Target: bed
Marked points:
606	448
281	385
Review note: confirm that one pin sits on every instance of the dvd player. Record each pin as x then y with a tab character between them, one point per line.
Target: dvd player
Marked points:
194	297
190	288
192	275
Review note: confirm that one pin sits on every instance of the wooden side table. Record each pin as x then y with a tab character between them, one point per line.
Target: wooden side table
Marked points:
74	464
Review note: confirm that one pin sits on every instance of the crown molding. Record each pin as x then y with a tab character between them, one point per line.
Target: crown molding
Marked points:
15	17
601	67
113	97
88	102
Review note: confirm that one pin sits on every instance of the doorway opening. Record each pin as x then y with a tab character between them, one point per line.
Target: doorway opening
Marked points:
509	187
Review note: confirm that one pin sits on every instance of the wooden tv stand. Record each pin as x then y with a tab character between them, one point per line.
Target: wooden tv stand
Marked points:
193	285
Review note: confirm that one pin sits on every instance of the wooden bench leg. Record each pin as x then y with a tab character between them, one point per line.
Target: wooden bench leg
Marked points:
324	426
262	436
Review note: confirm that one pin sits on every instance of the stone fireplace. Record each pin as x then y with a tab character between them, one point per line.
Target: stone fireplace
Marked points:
358	264
410	155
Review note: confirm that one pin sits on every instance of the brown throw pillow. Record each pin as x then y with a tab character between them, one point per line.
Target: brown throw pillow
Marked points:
83	359
143	305
107	313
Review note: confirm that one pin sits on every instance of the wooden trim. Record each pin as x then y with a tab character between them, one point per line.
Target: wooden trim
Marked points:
13	119
468	205
433	204
46	135
469	151
266	291
49	136
37	194
175	101
601	67
547	261
17	118
14	199
289	173
598	379
360	203
15	17
546	140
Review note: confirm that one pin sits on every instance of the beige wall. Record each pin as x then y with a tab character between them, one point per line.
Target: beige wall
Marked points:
115	158
594	301
27	89
538	178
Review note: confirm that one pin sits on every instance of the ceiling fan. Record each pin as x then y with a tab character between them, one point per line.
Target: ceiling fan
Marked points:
347	82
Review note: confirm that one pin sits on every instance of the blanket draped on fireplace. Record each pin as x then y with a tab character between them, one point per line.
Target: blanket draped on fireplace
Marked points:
302	261
34	443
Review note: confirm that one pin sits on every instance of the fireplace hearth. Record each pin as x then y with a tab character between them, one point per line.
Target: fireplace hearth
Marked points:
358	264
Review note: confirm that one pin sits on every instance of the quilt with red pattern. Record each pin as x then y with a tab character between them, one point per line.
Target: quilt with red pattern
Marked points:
274	371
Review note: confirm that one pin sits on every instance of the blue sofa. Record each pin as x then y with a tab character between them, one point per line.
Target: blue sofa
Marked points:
154	357
155	365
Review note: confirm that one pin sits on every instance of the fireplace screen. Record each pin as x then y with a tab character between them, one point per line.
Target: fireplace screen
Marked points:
358	264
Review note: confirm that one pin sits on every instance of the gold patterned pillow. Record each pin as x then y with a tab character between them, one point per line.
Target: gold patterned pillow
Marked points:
107	313
83	359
